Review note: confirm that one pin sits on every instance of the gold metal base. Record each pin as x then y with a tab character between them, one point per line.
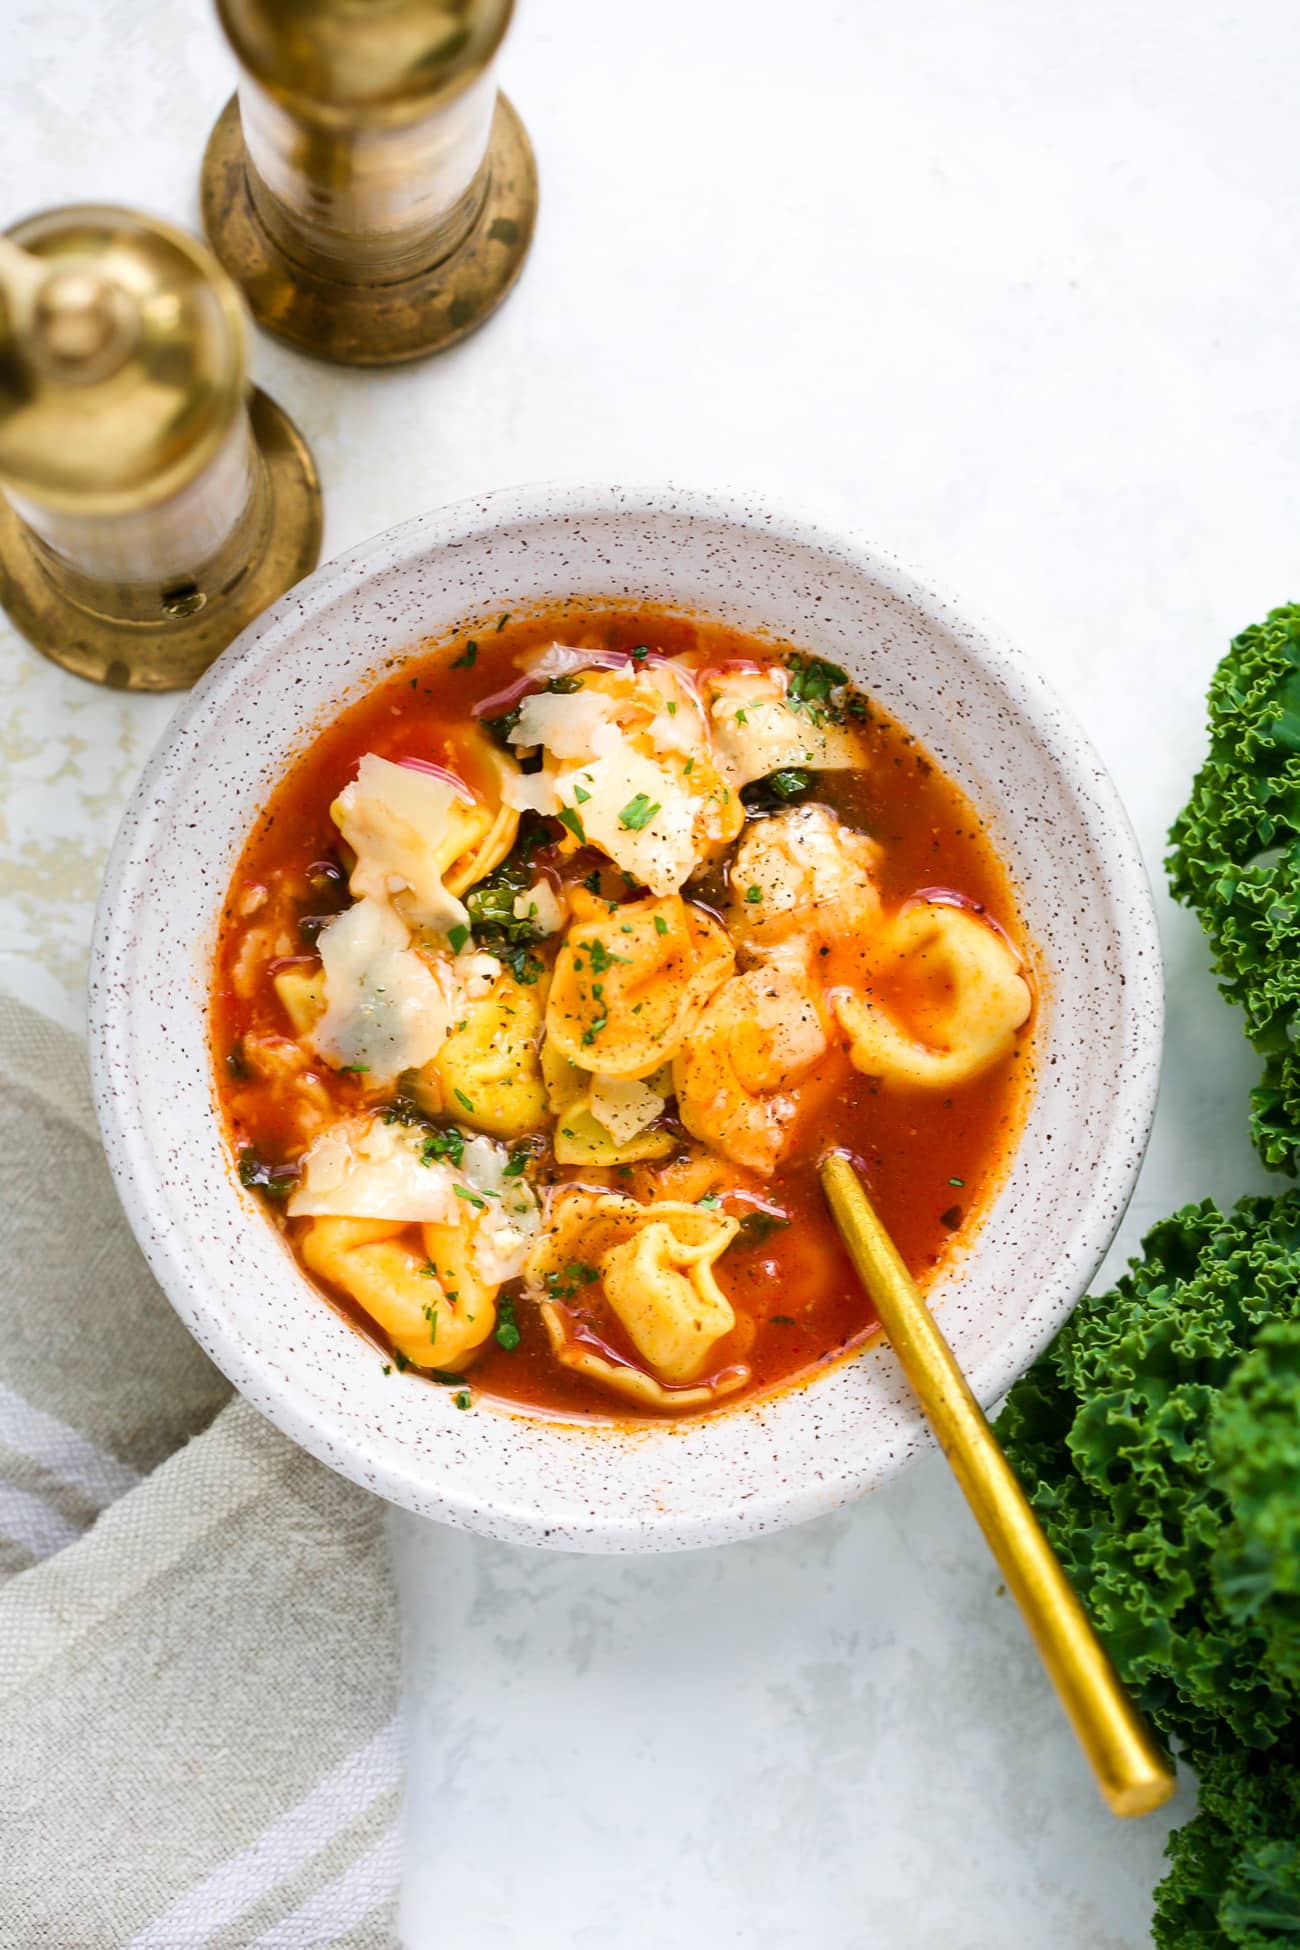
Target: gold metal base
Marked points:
374	324
195	623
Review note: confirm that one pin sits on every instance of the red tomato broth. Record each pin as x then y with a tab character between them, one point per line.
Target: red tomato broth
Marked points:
932	1160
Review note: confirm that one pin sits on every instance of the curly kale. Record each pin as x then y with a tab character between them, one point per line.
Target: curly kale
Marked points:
1159	1440
1256	1441
1236	861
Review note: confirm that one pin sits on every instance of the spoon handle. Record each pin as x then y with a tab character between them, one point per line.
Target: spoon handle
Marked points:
1131	1773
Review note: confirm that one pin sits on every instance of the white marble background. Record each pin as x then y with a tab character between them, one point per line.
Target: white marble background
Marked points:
1015	290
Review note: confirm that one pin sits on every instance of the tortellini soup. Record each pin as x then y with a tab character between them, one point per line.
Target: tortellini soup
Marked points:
554	968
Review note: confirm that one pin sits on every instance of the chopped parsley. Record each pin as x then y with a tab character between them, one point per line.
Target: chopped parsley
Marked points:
402	1363
601	959
468	659
565	686
591	881
594	1028
235	1063
661	926
457	937
463	1399
753	893
402	1111
580	794
641	652
959	1182
570	819
470	1198
638	812
811	683
356	1069
446	1378
507	1330
443	1144
710	1202
783	1320
515	1164
563	1286
462	1100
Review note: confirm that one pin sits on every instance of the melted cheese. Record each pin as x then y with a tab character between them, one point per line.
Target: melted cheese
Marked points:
385	1009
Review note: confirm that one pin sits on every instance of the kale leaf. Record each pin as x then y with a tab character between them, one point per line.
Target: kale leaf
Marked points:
1235	860
1159	1441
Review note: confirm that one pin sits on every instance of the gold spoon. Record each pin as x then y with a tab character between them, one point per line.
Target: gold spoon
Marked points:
1132	1774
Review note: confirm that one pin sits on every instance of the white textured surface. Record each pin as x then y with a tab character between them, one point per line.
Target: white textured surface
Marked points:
1016	291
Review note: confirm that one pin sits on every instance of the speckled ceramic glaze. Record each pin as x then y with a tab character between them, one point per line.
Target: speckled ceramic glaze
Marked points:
988	719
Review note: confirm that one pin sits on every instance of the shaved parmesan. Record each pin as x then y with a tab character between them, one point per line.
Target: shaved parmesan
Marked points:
542	906
531	792
623	1105
406	827
366	1169
661	853
565	722
385	1010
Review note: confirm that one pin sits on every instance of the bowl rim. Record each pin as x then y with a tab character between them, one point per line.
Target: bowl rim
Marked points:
405	1479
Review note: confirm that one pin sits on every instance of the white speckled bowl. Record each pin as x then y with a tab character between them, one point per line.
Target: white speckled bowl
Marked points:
989	720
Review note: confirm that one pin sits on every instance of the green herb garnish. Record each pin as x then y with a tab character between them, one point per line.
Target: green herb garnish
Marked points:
638	812
507	1330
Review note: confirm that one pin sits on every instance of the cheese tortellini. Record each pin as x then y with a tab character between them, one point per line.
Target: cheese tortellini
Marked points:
802	876
735	1076
629	984
965	992
432	1304
488	1066
655	1266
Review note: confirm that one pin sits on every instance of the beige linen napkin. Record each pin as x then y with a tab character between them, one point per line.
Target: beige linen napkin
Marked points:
198	1627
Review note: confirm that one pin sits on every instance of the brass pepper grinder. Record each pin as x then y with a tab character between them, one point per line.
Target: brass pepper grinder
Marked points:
368	188
150	507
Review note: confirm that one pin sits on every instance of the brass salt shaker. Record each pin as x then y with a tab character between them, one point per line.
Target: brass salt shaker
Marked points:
150	504
368	188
